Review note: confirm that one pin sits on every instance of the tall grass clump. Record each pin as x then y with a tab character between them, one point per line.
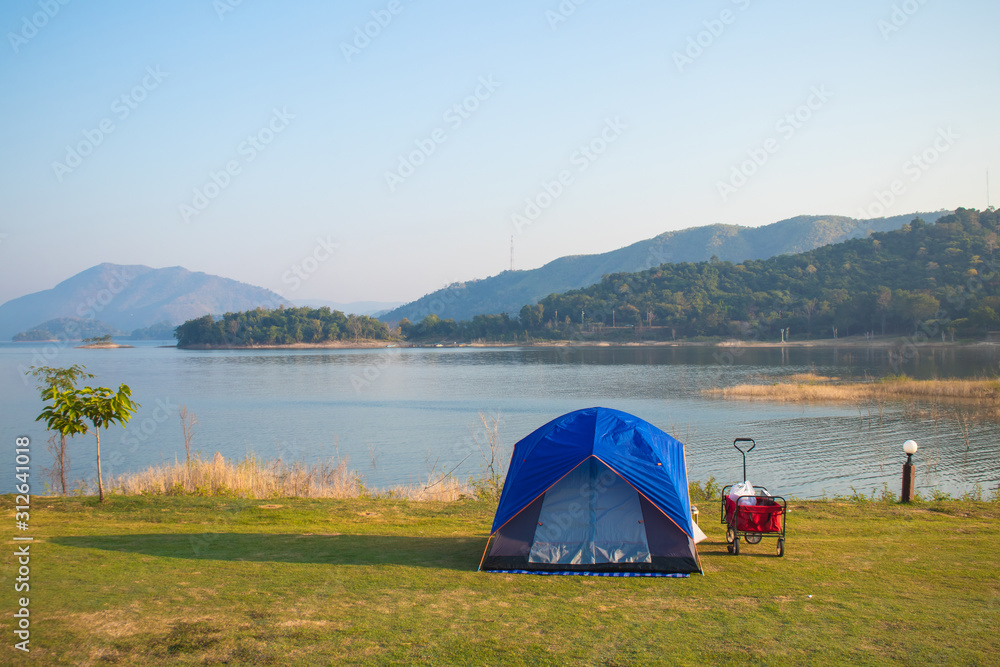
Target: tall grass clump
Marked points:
249	478
443	489
979	395
885	496
811	387
253	478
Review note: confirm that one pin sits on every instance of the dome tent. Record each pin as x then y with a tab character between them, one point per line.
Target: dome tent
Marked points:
595	491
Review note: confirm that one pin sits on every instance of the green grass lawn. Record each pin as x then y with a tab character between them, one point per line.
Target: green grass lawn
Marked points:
189	580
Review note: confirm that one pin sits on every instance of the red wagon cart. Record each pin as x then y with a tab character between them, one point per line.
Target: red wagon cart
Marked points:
752	516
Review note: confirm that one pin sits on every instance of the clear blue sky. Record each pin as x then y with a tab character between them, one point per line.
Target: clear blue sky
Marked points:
666	124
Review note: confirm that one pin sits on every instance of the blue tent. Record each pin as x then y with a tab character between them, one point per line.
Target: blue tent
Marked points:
595	491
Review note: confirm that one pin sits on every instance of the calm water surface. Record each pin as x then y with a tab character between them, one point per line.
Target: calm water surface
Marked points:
400	413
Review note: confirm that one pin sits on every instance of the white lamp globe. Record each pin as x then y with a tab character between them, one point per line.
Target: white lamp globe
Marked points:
910	447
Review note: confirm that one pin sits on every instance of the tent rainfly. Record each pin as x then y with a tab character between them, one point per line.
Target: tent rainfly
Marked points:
595	492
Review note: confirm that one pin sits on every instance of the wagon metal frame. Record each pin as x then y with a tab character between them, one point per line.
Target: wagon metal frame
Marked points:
765	518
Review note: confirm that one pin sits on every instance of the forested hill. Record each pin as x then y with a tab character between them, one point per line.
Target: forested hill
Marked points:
510	290
934	278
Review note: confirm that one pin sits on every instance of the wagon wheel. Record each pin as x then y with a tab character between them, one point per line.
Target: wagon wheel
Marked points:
752	538
729	548
781	548
736	547
730	535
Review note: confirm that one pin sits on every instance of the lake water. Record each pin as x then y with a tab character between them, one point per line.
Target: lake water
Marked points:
399	413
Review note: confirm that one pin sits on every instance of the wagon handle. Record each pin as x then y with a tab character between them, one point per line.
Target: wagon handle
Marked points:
744	453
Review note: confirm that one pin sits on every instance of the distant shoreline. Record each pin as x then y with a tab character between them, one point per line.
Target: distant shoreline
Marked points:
336	344
825	343
102	346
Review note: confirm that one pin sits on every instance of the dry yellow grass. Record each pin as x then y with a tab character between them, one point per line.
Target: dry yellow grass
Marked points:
808	387
253	478
446	489
809	378
250	477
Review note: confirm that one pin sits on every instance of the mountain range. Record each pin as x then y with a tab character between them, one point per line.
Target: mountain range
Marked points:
129	297
509	291
113	298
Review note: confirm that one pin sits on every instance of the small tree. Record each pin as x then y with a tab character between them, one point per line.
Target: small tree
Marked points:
63	416
188	420
102	407
489	485
883	301
354	325
62	379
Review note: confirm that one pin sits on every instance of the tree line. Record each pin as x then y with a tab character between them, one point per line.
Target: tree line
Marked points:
280	326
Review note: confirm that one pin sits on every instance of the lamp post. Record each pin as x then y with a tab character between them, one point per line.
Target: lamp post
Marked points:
909	474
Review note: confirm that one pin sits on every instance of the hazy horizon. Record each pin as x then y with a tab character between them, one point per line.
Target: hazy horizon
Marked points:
367	306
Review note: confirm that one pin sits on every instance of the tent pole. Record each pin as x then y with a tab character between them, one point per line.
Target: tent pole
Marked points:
480	568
